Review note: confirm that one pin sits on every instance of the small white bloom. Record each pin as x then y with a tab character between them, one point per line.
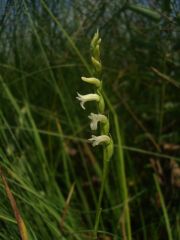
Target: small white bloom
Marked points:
86	98
92	80
96	140
95	118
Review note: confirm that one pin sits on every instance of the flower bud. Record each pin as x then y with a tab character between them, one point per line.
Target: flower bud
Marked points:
96	64
96	52
92	80
95	39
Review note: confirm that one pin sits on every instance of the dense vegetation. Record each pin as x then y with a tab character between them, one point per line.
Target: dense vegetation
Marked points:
46	162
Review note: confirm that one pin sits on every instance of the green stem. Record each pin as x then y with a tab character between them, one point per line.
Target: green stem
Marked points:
104	176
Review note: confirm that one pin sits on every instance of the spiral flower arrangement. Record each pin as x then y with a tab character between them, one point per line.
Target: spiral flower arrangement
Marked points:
98	119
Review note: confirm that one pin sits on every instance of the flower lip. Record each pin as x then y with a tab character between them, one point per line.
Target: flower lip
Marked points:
95	118
97	140
86	98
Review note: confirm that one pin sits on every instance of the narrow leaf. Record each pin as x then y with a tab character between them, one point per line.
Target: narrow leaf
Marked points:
147	12
20	222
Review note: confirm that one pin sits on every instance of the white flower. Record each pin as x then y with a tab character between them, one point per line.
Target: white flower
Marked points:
87	98
96	140
92	80
95	118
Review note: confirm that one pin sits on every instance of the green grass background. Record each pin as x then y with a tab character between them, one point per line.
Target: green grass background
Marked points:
52	171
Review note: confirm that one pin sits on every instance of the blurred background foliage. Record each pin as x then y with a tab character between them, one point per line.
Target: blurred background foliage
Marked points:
44	51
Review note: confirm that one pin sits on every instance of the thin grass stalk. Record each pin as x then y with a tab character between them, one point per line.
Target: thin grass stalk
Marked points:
122	174
164	209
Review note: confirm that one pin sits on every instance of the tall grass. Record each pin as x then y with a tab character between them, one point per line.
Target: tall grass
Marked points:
51	170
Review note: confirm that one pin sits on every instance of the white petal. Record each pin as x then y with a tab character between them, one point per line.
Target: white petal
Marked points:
95	118
96	140
93	125
82	105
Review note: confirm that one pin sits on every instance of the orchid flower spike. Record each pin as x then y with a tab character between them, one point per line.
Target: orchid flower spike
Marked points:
86	98
102	139
95	118
92	80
